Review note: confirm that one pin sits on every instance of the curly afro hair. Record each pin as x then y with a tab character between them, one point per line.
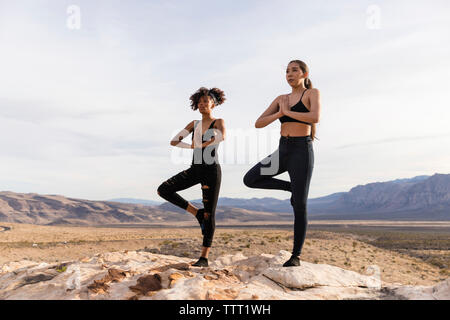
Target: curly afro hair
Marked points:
219	96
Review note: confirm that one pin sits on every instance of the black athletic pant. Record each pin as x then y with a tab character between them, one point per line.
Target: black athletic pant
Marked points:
296	156
210	176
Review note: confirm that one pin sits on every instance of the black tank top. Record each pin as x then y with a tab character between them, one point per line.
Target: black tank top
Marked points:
298	107
210	150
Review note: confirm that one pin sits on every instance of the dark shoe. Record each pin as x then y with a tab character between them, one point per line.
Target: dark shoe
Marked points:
200	217
294	261
202	262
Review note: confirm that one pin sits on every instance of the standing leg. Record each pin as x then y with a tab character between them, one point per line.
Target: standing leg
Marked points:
210	190
262	174
183	180
300	167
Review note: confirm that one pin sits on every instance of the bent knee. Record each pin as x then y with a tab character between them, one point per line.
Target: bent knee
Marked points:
249	180
163	188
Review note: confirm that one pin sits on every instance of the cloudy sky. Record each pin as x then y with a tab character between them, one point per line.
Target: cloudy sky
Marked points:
91	92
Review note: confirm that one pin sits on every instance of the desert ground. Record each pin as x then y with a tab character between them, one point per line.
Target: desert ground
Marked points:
409	253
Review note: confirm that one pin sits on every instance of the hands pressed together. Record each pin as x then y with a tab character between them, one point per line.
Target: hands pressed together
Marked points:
283	104
203	145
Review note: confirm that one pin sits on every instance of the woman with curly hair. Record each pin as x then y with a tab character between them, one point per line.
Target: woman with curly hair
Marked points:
298	113
204	169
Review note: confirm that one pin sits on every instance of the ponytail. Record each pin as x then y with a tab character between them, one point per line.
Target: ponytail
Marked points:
308	85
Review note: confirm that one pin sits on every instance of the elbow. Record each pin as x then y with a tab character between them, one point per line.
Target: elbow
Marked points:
173	143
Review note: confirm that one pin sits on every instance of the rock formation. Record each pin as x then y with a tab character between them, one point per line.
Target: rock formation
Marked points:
144	275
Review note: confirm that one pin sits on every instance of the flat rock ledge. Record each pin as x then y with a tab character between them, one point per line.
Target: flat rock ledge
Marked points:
141	275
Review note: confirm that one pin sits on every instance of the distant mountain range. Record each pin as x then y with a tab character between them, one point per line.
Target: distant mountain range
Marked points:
418	198
137	201
33	208
421	197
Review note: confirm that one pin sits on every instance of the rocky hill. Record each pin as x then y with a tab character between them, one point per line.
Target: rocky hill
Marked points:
55	209
141	275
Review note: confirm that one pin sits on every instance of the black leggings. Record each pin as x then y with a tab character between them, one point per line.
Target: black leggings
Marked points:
210	177
296	156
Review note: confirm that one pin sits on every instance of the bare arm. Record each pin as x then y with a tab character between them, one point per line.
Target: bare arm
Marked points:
272	113
176	140
313	115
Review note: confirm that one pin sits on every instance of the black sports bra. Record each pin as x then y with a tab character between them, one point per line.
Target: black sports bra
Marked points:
198	153
298	107
203	135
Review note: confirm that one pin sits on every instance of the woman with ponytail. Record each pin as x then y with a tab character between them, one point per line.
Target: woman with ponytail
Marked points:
298	113
204	169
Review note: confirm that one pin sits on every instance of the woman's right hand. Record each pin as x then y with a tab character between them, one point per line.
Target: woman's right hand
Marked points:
283	104
272	113
279	113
